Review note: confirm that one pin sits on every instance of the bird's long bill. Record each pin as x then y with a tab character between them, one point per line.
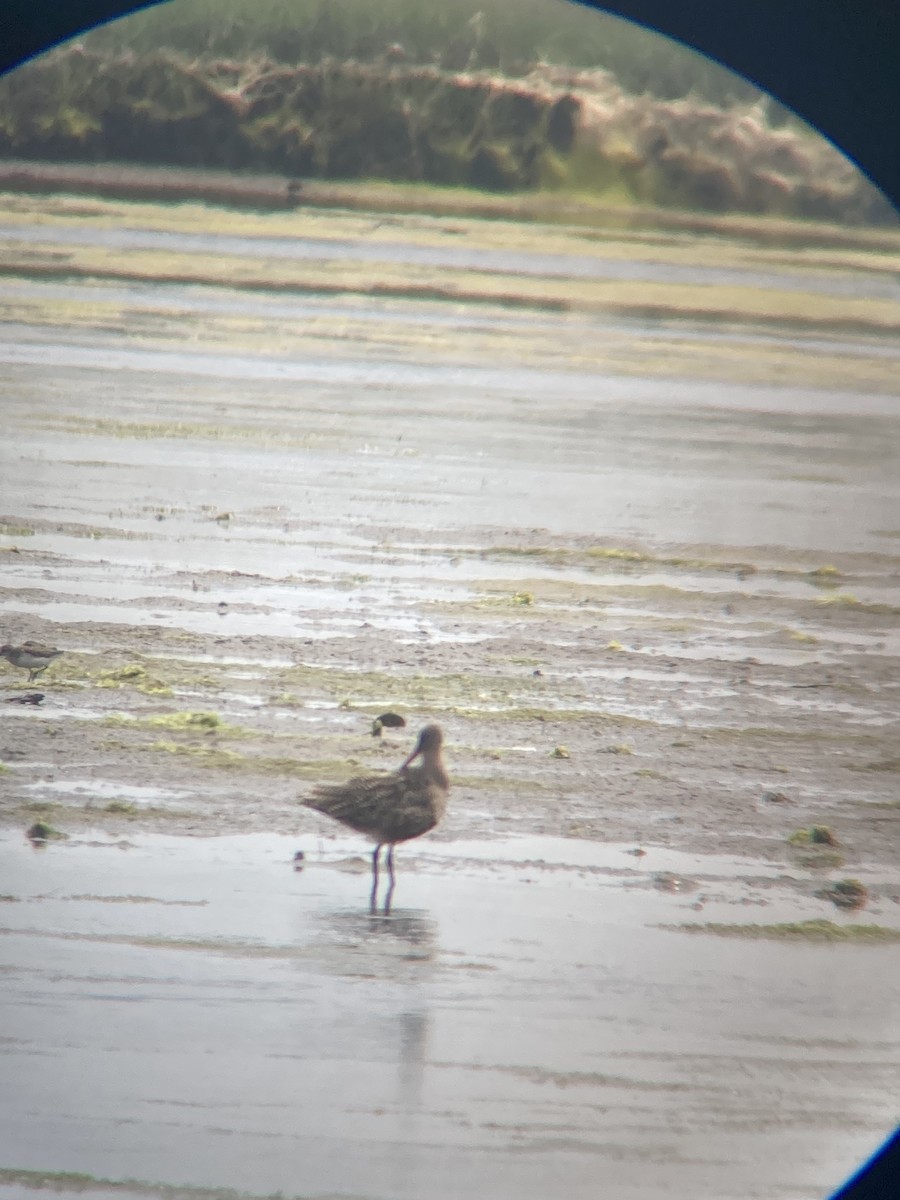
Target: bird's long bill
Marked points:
415	754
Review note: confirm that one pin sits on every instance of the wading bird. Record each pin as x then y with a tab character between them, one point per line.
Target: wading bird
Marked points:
30	656
391	808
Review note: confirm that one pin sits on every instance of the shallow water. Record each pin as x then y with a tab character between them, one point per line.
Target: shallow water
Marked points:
196	1003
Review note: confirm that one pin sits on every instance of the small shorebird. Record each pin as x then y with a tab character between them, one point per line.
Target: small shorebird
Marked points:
30	656
391	808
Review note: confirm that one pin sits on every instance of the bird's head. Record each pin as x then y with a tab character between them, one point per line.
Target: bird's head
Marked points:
428	744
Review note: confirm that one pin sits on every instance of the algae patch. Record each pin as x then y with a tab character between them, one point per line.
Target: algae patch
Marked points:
137	676
796	931
816	835
816	846
196	722
204	722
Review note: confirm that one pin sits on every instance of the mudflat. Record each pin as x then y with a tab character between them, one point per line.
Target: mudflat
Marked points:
621	515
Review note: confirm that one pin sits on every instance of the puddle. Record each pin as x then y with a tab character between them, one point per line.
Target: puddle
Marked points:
100	789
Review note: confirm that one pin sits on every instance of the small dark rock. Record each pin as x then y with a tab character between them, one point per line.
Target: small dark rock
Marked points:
41	832
846	893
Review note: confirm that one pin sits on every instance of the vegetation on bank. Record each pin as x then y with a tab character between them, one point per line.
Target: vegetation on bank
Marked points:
455	34
544	94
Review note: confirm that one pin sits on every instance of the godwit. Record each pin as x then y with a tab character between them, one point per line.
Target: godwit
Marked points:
30	656
391	808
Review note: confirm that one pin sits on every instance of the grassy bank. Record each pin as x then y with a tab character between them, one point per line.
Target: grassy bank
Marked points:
454	33
543	96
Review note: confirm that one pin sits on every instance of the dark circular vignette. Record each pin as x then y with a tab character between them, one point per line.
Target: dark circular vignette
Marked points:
835	63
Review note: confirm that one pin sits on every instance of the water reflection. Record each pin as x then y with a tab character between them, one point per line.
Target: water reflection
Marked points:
394	954
378	945
413	1054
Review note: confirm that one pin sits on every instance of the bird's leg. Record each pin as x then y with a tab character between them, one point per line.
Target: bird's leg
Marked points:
372	898
389	894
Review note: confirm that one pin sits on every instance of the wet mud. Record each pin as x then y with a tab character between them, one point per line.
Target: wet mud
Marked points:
645	573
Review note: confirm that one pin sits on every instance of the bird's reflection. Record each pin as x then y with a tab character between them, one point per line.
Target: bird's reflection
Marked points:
396	952
413	1054
403	935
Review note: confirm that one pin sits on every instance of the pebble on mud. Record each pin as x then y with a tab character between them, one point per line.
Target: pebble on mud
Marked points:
41	832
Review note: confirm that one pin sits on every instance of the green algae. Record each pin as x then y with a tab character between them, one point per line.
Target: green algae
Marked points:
816	847
55	1182
600	555
124	807
121	674
42	806
214	756
847	600
179	430
815	835
818	930
205	723
136	676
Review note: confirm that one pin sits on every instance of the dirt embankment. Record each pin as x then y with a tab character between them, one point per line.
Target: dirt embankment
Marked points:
393	119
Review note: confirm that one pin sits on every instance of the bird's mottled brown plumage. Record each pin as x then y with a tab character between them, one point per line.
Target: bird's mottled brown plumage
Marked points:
391	808
30	656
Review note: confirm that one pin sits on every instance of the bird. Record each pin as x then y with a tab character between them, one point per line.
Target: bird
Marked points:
391	808
30	656
387	720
